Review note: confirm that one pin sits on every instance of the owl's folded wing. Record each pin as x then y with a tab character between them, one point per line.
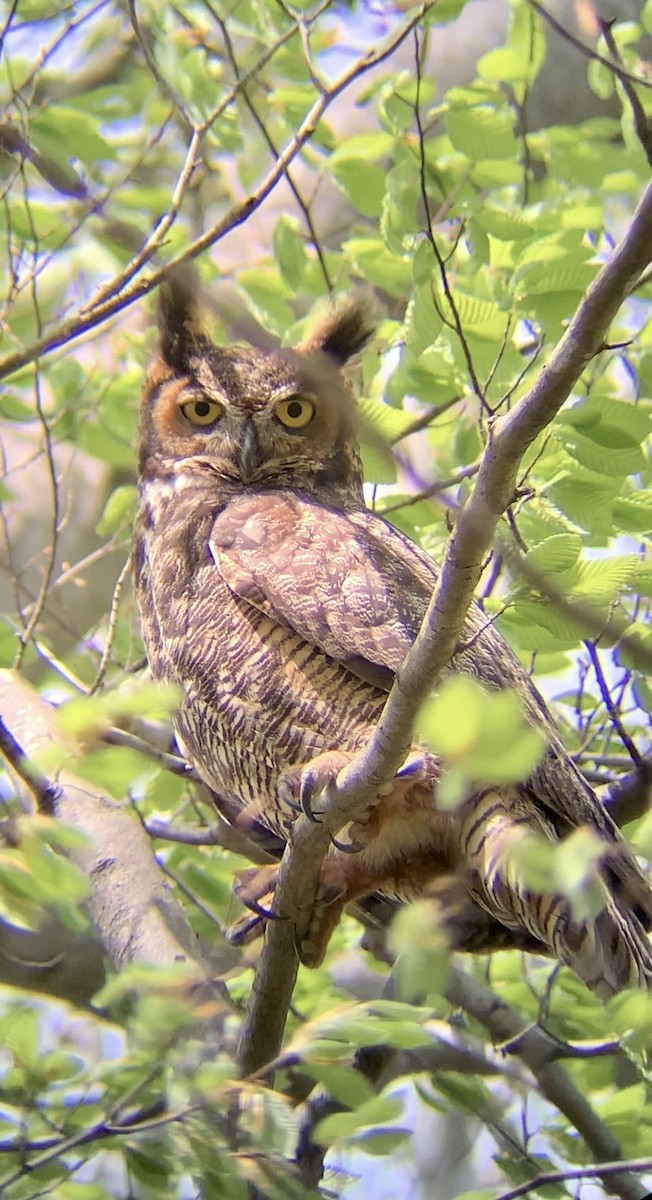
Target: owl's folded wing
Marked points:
358	590
324	574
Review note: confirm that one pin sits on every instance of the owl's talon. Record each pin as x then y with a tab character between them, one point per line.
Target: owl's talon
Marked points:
347	848
309	812
413	765
306	793
267	914
245	930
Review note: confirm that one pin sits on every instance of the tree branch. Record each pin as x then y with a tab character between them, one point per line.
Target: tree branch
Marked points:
535	1049
578	44
130	903
533	1046
96	313
631	796
358	785
604	1171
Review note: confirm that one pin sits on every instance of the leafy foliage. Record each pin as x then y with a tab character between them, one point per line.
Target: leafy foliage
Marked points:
126	144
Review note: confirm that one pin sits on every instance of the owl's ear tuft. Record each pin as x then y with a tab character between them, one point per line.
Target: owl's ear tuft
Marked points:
343	333
179	323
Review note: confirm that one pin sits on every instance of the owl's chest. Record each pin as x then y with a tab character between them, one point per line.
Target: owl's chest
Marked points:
257	697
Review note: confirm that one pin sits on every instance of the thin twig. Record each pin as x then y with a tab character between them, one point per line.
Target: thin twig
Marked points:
599	624
639	80
600	1170
641	121
45	792
443	274
614	715
163	84
112	626
271	144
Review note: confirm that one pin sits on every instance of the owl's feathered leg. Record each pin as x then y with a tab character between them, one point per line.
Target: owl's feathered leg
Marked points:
400	844
255	887
609	951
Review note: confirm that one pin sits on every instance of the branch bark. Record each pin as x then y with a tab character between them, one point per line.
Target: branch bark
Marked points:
130	902
357	786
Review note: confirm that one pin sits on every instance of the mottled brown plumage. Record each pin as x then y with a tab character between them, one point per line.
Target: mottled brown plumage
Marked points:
283	607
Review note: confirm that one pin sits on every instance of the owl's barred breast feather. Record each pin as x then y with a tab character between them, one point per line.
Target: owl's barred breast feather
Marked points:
283	608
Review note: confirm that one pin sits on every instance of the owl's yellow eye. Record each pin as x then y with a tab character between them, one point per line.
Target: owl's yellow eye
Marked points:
201	411
295	413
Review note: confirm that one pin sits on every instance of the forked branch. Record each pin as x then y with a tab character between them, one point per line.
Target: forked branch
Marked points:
357	786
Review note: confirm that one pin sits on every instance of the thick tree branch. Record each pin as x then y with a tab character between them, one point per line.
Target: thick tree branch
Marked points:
358	785
130	902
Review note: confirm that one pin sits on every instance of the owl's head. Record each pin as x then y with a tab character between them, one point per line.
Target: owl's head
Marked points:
252	418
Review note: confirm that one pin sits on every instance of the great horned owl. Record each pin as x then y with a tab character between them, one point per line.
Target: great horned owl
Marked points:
282	607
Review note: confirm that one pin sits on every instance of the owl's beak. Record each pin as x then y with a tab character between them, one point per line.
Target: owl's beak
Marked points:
249	454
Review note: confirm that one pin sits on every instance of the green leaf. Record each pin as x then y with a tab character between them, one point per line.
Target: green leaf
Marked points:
363	147
535	624
42	225
568	276
12	408
589	500
555	554
478	316
383	420
633	513
507	226
344	1084
605	459
608	418
423	322
522	58
598	579
482	132
381	1141
342	1126
363	184
480	735
61	130
399	222
374	262
418	941
577	862
91	714
290	251
118	510
267	297
641	578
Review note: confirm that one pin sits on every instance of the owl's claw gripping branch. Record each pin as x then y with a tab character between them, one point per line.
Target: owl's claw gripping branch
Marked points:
252	886
307	794
347	847
315	780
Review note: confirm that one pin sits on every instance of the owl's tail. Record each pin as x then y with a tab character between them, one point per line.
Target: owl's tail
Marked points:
599	935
